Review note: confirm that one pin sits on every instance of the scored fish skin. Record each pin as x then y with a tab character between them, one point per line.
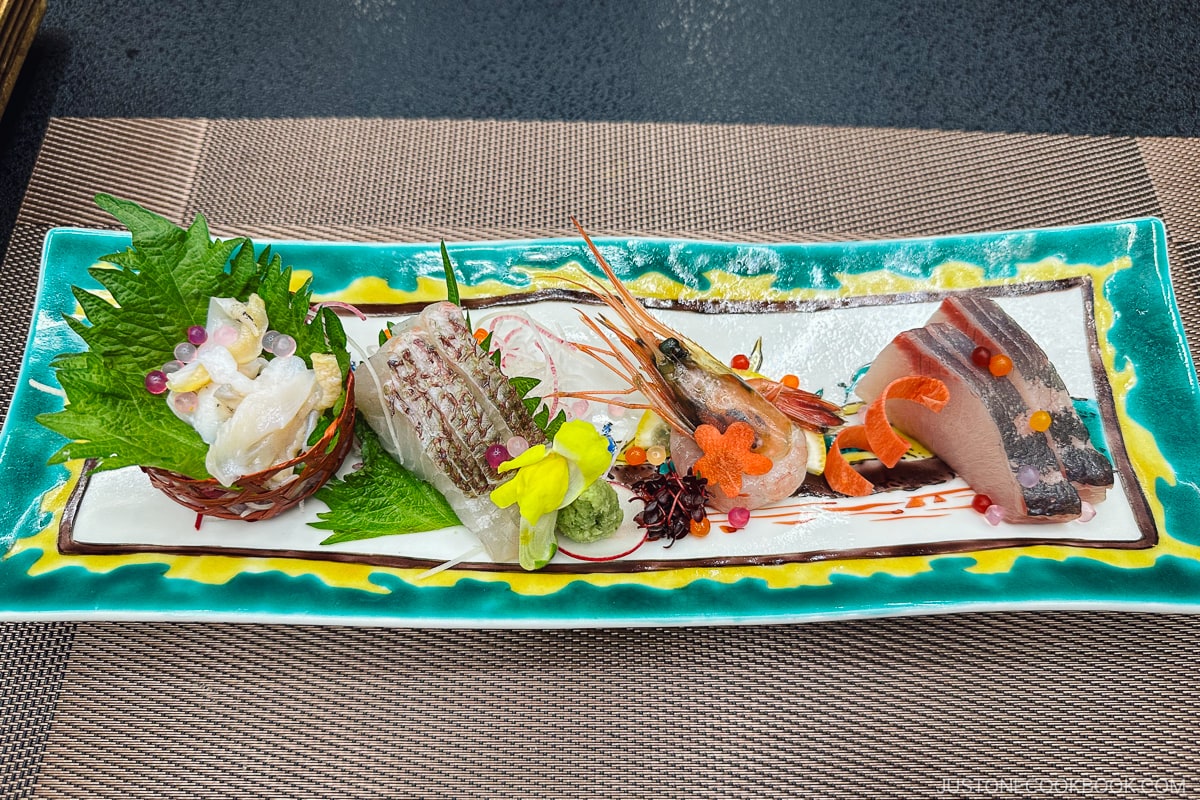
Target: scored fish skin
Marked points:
443	424
429	391
445	321
986	324
977	432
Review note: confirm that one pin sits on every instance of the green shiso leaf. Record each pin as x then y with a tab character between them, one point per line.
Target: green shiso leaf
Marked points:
452	283
381	498
525	385
113	418
160	287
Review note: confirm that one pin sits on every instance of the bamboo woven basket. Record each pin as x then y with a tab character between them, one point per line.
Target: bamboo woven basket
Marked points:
252	499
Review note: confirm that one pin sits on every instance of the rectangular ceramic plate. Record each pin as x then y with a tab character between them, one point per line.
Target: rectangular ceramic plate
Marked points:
1097	298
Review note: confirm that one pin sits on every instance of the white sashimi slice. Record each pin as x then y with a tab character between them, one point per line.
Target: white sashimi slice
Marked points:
272	417
430	443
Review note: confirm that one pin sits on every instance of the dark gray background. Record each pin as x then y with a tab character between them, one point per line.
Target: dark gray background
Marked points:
1127	68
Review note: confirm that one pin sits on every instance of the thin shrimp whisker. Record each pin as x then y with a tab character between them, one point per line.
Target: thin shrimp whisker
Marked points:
593	350
606	392
632	374
599	398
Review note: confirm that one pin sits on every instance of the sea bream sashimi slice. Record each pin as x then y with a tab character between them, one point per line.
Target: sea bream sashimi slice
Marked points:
988	325
982	432
454	339
423	394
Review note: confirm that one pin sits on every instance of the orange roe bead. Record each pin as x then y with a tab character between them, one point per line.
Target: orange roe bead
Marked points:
740	361
791	381
480	335
700	528
1039	421
635	456
1000	365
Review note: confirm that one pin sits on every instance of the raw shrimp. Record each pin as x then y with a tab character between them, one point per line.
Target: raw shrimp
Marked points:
688	387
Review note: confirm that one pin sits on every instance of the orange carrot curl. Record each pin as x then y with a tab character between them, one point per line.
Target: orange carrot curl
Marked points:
877	434
887	445
842	477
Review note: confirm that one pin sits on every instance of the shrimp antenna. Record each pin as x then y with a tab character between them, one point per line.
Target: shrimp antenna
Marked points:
620	299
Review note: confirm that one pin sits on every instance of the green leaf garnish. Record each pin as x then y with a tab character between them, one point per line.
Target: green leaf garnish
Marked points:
381	498
452	283
525	385
160	287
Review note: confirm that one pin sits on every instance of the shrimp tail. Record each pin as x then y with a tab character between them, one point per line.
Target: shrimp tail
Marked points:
808	410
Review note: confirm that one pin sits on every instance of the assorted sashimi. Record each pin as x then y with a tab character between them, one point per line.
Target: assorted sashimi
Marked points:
520	428
711	436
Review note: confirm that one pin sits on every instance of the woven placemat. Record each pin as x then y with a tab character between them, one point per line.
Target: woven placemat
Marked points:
1024	704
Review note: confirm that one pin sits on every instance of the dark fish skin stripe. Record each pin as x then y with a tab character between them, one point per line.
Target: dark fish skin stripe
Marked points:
437	402
453	338
428	422
1004	404
986	323
467	420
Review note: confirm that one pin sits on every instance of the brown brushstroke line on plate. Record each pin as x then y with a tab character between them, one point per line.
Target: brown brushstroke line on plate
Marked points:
726	306
1104	399
1111	426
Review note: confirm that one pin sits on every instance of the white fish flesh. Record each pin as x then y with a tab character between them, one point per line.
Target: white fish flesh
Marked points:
437	403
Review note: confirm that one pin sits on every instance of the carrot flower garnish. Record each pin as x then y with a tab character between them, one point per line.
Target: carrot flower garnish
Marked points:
727	456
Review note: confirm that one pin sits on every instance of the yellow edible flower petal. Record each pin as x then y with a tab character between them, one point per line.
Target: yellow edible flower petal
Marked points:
579	441
530	456
537	488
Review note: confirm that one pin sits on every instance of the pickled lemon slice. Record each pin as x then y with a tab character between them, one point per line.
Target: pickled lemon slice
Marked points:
816	452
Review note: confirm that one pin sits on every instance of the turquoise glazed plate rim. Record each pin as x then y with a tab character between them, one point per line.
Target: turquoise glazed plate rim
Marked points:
1146	362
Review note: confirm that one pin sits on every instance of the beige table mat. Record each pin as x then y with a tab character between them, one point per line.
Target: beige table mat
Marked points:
1028	703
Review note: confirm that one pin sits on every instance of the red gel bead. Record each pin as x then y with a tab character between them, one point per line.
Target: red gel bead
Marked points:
740	361
739	517
981	503
197	335
496	455
156	381
981	357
